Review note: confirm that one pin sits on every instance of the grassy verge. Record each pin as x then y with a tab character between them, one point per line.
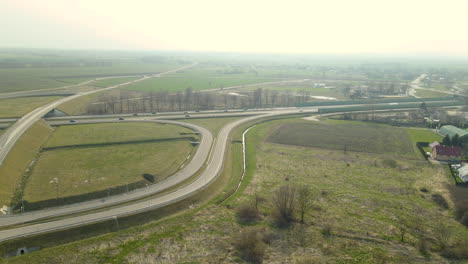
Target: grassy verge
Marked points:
86	170
17	107
112	132
20	158
96	157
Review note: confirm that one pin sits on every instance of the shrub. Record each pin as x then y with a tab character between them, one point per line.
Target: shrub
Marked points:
390	163
440	201
247	213
249	243
284	200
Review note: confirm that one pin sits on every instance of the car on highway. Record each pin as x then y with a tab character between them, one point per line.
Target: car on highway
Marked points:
72	121
187	115
121	118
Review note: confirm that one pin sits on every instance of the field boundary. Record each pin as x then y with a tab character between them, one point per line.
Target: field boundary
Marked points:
118	143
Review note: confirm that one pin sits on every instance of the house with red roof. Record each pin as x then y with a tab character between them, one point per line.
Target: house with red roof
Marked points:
447	153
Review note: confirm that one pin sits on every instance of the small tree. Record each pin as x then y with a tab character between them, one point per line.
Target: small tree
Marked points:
283	201
250	245
247	212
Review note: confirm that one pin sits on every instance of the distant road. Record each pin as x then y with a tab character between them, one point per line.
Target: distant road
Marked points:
415	85
9	137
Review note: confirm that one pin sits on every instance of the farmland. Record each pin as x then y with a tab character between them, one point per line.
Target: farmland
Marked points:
100	156
13	82
196	83
17	107
345	135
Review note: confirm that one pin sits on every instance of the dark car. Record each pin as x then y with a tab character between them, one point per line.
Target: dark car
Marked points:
72	121
121	118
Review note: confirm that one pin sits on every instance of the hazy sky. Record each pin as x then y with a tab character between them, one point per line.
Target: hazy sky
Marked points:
292	26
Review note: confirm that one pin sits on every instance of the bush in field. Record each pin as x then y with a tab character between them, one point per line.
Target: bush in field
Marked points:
283	201
247	213
390	163
250	244
440	201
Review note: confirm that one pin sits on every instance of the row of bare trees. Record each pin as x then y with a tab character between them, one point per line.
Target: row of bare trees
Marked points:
190	100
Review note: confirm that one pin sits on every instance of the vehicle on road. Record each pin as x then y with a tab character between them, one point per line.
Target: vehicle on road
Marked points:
72	121
121	118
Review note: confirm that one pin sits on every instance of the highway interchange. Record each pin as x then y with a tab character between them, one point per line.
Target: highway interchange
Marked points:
207	163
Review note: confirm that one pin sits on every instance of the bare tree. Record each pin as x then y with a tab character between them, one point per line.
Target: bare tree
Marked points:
283	201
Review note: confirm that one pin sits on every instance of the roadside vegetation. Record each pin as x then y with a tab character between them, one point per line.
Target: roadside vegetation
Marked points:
21	157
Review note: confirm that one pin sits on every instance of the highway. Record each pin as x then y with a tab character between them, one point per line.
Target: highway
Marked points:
14	132
212	170
198	160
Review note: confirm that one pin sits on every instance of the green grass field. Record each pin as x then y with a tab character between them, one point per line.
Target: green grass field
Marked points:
12	81
84	170
112	132
19	159
196	83
17	107
341	135
423	135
